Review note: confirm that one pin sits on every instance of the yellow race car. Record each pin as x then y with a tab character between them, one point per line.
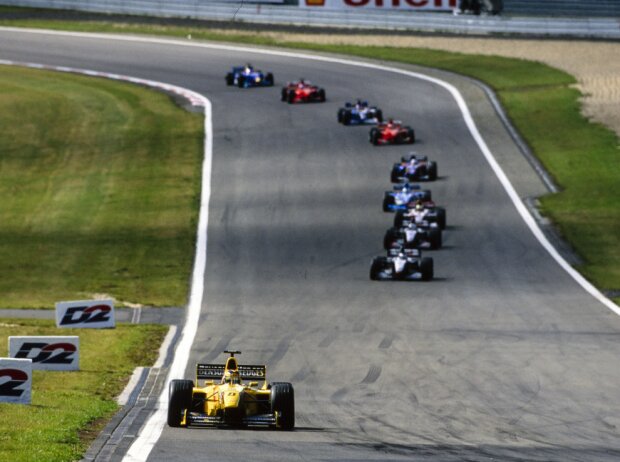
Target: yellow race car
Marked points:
224	399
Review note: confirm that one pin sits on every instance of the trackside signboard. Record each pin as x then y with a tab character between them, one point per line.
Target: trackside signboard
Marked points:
55	353
15	380
98	314
387	5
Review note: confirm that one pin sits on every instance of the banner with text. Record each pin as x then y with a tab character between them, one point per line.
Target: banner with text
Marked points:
54	353
387	5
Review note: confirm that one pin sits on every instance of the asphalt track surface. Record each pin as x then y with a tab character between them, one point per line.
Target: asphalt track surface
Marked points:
502	357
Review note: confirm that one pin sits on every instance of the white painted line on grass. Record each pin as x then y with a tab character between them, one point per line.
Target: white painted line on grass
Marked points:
136	314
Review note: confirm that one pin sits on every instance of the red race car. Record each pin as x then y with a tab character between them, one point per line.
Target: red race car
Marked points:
392	132
302	92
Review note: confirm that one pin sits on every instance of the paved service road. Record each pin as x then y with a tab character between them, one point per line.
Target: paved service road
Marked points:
502	357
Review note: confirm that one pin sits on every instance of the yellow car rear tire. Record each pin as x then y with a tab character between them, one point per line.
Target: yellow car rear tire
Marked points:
283	403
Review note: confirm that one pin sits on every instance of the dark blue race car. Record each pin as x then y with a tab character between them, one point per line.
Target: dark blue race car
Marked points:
414	168
359	113
246	76
404	196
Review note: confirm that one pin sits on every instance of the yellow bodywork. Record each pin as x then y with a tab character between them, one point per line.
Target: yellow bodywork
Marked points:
230	401
220	397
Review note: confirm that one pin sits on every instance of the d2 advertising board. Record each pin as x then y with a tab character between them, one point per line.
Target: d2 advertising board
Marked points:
15	380
53	353
98	314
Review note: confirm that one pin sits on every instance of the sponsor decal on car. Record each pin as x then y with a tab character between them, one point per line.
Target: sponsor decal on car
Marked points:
216	371
210	371
252	372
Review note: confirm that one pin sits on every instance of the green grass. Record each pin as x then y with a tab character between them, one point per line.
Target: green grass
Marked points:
69	408
585	160
100	184
97	200
581	156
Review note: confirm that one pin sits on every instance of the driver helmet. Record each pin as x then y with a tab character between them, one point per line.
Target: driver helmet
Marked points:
411	225
419	206
248	67
232	377
401	255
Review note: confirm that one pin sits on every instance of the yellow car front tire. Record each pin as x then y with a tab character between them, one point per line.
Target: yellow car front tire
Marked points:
179	400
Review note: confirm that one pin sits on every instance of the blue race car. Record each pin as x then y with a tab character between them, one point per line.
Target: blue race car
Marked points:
404	196
359	113
246	76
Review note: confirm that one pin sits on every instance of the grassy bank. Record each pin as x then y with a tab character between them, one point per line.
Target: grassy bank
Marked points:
69	408
581	156
100	184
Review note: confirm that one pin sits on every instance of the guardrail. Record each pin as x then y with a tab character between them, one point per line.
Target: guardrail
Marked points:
555	8
606	28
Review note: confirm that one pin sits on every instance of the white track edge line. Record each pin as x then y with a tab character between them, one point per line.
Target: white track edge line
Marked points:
469	121
152	429
143	444
132	456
